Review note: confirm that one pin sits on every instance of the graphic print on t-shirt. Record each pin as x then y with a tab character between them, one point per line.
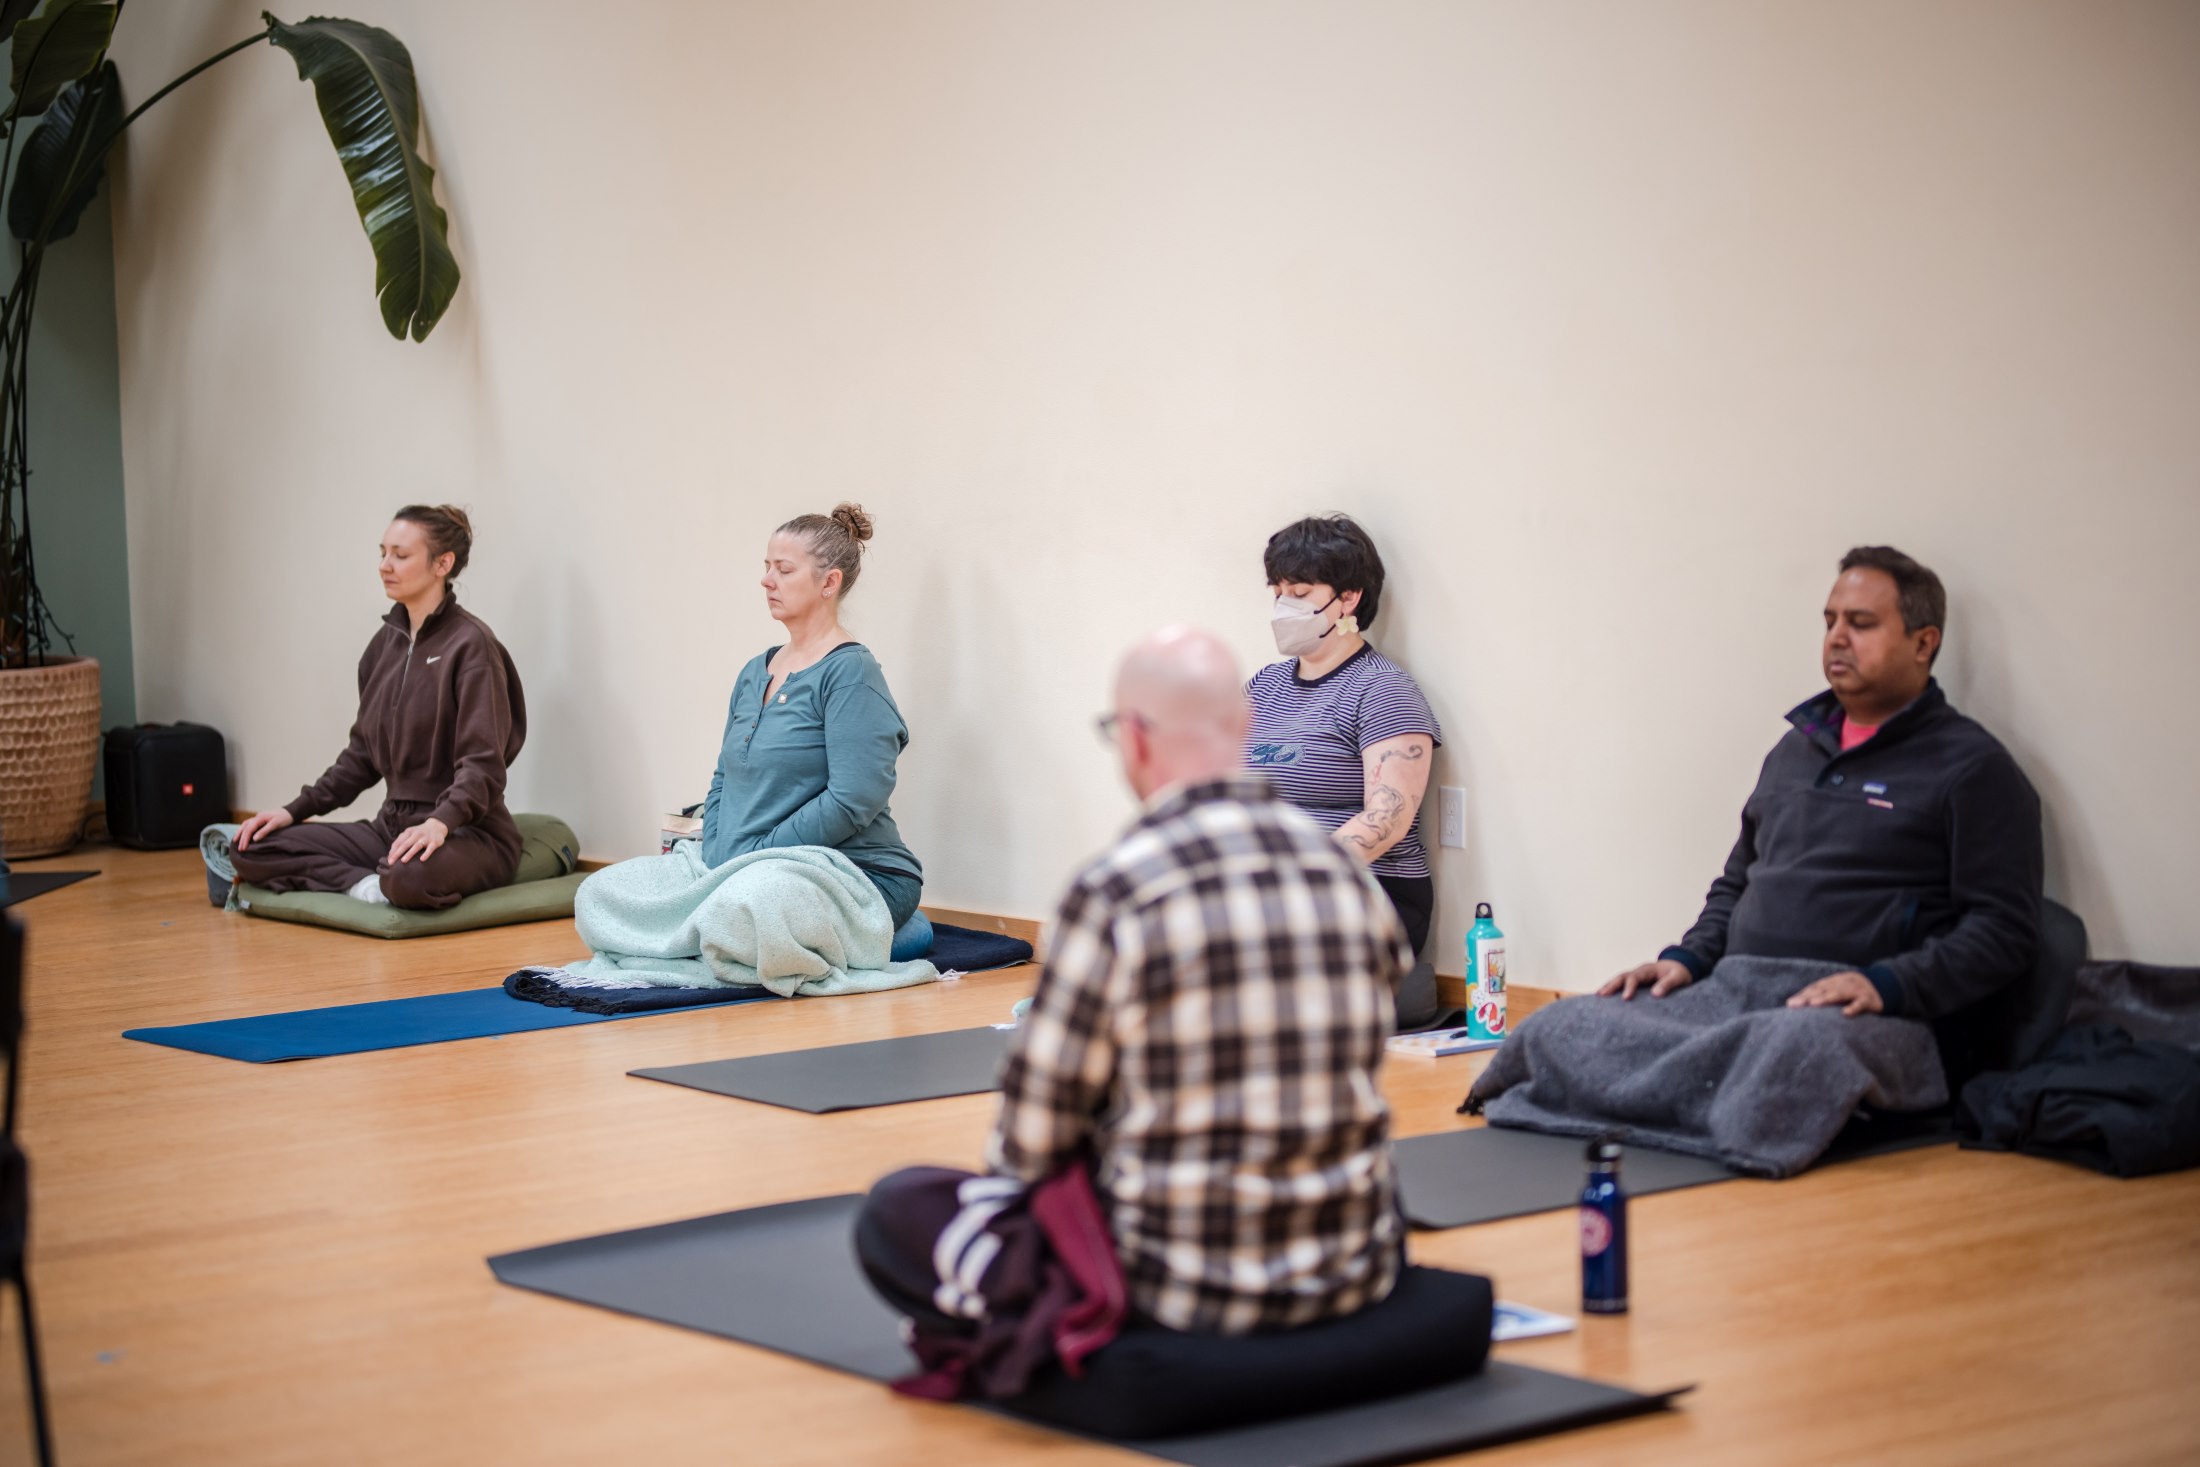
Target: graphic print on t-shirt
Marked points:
1310	738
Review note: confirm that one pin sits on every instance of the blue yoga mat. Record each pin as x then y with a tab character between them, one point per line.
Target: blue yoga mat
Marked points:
477	1013
355	1028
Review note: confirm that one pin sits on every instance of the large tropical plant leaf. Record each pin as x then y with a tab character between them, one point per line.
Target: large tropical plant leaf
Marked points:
65	158
55	47
363	79
12	13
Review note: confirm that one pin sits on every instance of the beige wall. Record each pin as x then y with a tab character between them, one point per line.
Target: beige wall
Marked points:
1616	324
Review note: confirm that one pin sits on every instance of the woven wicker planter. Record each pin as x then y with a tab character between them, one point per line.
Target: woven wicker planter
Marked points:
49	745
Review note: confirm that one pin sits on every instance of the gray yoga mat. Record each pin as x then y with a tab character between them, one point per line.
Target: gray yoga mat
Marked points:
854	1076
1456	1178
21	886
784	1278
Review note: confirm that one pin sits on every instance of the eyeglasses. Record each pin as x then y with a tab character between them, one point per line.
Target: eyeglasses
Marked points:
1107	724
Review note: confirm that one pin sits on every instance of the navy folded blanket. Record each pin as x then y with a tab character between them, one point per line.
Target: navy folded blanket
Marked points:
967	950
541	985
954	950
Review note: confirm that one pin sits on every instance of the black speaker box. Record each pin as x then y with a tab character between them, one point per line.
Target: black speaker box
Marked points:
165	783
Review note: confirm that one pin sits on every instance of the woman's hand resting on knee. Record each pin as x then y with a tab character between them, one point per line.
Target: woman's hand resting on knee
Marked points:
422	840
267	822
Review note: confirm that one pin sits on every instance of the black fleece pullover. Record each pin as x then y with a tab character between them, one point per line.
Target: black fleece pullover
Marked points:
1914	857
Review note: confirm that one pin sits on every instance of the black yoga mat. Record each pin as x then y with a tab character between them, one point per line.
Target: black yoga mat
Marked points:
854	1076
21	886
784	1278
1456	1178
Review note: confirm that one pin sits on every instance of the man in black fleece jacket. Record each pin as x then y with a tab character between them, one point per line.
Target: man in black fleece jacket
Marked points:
1887	831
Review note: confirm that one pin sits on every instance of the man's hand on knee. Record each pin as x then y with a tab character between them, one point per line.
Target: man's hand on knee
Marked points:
1661	977
1855	994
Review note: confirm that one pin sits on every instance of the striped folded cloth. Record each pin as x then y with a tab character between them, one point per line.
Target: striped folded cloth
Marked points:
215	844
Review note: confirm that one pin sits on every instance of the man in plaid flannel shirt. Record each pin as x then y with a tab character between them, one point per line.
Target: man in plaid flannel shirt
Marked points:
1207	1028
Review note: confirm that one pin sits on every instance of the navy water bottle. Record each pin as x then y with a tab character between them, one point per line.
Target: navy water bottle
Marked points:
1603	1233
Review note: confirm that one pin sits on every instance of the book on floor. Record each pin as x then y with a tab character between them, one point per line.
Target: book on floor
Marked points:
1436	1043
1510	1321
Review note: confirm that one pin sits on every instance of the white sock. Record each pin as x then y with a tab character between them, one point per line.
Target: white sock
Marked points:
368	888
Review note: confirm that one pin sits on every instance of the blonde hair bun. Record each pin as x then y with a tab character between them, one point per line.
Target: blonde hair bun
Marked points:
835	540
850	517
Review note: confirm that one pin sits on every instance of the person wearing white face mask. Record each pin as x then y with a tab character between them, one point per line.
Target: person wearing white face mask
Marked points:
1340	730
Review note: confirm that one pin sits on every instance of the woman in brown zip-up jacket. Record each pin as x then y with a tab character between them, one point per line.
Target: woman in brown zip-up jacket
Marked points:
441	717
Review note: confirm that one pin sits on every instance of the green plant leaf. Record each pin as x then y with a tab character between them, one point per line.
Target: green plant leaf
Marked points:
12	13
65	158
57	46
363	79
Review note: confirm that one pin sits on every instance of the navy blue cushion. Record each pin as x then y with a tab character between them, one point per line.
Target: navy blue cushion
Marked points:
912	940
967	950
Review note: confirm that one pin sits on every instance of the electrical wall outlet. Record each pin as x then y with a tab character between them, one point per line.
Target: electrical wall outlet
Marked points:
1451	817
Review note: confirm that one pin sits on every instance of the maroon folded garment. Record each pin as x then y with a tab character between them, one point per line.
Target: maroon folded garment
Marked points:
998	1280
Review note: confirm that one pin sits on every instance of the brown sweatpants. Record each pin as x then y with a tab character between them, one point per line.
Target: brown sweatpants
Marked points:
319	855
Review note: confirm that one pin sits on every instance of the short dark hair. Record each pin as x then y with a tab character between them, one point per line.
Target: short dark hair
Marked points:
1328	550
1918	592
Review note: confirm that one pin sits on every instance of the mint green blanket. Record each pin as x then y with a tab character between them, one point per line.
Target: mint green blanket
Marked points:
801	921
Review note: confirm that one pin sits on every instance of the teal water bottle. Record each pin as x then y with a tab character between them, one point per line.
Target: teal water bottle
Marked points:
1485	977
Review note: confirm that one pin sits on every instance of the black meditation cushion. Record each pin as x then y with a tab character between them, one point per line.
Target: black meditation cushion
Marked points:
1151	1382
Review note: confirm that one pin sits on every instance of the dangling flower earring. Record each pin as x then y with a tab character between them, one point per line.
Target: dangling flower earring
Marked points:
1349	624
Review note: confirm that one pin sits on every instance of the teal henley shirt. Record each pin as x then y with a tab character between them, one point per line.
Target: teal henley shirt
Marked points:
812	767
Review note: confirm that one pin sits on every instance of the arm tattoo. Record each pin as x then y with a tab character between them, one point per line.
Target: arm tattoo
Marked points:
1383	810
1376	827
1411	756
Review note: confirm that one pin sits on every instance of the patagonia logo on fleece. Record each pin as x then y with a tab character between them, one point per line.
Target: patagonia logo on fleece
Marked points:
1875	788
1882	804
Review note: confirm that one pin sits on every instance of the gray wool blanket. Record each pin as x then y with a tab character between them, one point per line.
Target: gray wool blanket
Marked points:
1721	1069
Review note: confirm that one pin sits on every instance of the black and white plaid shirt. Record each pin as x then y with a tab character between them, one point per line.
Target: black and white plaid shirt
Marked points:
1208	1025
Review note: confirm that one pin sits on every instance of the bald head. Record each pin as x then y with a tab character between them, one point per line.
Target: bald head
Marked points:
1182	709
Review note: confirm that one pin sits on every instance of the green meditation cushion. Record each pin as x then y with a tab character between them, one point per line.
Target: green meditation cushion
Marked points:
542	889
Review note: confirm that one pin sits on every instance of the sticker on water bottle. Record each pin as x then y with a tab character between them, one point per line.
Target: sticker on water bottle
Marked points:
1488	1015
1596	1232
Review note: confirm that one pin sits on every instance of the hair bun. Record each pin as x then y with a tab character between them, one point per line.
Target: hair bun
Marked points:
449	530
850	517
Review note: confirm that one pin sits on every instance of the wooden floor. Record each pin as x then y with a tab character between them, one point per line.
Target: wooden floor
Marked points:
244	1264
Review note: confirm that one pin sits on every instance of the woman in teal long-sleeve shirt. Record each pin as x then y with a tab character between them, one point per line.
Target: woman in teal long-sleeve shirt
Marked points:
812	732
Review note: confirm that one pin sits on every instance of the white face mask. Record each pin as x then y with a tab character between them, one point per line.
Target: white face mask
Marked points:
1299	625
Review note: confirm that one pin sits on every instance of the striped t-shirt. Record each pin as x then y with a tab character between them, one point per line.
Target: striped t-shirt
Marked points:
1307	738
